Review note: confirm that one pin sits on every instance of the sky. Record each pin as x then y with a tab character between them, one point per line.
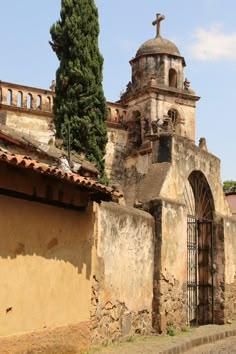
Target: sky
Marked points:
203	30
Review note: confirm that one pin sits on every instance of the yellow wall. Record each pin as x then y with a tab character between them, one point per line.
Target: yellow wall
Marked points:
45	265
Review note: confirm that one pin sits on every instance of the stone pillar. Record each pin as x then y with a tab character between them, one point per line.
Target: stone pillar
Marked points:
34	100
4	95
170	265
153	108
24	99
156	212
14	97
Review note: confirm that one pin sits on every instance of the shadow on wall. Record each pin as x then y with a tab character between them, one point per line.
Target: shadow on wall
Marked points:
38	230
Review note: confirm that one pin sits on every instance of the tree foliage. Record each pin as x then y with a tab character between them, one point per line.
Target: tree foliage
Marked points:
229	186
79	99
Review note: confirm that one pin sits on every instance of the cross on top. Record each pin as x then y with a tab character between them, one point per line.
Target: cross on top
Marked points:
157	23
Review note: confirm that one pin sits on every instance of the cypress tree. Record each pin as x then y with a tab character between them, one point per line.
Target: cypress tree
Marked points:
79	103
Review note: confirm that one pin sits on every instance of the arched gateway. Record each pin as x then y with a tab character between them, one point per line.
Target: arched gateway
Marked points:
200	266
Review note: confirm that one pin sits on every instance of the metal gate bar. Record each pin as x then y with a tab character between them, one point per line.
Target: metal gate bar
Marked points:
192	255
200	295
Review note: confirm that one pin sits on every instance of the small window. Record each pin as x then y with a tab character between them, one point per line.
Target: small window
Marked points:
39	102
173	115
116	117
19	99
172	78
29	101
9	97
48	104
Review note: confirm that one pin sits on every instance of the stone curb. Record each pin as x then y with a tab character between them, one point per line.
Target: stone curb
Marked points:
194	342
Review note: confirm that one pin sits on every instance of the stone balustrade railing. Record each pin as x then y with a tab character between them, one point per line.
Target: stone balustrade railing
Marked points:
116	113
36	99
26	97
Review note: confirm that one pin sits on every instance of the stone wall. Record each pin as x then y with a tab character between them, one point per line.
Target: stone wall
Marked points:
123	279
170	272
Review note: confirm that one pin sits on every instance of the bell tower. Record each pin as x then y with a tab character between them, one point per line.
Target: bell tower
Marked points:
158	98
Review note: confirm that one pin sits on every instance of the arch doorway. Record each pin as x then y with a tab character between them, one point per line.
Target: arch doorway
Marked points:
200	282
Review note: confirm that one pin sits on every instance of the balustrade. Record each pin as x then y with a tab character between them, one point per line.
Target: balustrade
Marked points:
24	97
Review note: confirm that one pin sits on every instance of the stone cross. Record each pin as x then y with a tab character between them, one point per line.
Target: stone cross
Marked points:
157	23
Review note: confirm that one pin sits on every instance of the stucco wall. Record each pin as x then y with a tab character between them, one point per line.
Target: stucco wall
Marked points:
124	272
186	158
174	240
186	109
115	151
38	126
45	266
170	272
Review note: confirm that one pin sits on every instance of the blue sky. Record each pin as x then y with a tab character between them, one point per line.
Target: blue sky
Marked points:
203	30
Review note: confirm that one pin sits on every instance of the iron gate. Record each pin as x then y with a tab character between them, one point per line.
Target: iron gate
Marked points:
200	287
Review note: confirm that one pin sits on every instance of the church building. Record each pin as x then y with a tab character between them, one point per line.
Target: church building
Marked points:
164	253
161	170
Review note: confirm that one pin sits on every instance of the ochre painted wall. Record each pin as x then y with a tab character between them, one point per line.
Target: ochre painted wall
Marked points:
45	266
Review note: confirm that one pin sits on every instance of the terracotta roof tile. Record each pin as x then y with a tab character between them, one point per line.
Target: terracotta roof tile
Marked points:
43	168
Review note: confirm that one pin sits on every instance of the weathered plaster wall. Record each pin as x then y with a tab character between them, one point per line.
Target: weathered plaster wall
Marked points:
39	126
45	263
149	67
135	168
123	286
185	157
115	153
174	242
145	180
186	109
170	272
230	268
166	181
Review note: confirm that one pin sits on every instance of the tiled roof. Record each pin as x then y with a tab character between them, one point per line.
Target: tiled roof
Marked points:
26	141
39	167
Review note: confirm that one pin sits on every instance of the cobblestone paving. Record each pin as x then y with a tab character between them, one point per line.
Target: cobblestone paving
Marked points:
226	346
166	344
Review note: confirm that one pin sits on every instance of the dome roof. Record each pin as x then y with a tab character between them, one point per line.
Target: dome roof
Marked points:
158	45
